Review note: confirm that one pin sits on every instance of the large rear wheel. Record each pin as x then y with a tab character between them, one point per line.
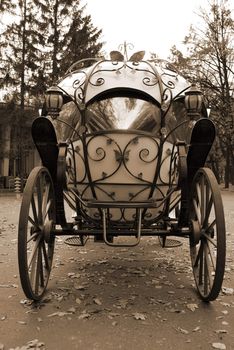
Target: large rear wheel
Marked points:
208	238
35	238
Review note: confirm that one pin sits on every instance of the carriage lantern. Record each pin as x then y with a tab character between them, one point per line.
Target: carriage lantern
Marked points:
54	101
193	102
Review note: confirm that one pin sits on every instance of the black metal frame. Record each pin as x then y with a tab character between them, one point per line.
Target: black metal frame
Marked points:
186	162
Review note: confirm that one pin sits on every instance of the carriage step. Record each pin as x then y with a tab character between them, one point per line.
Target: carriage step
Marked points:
150	203
79	241
106	236
169	242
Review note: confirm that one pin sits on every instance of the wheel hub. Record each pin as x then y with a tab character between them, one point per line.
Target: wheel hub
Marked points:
47	230
195	235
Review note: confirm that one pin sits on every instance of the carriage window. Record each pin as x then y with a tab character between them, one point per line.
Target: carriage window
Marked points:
67	122
123	113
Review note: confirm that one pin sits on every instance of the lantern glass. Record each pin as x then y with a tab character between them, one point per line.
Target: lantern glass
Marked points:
54	100
193	100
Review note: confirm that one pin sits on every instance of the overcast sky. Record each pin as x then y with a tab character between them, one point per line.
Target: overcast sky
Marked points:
151	25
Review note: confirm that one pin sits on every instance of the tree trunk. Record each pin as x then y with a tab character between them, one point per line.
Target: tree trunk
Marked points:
55	44
227	168
22	78
6	149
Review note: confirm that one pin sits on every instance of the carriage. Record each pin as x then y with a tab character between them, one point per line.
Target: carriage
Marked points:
123	144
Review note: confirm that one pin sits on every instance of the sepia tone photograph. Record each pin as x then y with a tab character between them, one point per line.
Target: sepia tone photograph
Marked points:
116	175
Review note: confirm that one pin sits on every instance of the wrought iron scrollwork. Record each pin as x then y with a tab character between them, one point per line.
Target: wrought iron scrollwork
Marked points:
121	165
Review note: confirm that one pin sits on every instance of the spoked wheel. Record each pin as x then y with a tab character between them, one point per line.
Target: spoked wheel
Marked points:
207	240
35	242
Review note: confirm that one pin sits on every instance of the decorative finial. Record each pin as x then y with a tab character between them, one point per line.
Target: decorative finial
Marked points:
124	47
118	56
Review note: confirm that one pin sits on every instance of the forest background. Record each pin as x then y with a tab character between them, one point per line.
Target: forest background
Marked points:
46	36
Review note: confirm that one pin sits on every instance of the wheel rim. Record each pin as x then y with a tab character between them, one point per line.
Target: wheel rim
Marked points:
35	245
208	254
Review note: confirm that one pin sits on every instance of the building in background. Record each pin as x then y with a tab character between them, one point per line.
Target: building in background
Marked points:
18	155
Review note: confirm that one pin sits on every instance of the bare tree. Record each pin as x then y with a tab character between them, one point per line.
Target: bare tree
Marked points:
210	62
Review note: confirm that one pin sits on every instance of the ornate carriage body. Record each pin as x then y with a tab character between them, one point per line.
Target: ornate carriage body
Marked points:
122	158
124	143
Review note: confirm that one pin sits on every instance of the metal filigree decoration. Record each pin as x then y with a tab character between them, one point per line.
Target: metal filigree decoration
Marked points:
123	168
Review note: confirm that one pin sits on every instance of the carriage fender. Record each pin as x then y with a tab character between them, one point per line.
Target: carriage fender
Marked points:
202	139
45	140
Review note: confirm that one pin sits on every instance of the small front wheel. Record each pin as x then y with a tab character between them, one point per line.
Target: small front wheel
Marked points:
35	239
208	238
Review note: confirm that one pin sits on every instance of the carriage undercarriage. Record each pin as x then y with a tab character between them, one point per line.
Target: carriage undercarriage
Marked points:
116	185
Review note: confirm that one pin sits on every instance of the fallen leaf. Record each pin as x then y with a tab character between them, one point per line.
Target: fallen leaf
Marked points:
225	304
5	286
219	346
122	303
177	311
181	286
228	291
181	330
22	322
221	331
35	344
59	313
84	315
225	312
192	307
97	301
79	287
72	310
104	261
139	316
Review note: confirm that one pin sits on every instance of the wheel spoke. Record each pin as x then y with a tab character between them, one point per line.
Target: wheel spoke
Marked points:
32	268
207	270
198	256
208	211
34	235
211	240
34	210
42	277
38	270
32	222
48	207
202	199
45	201
210	227
45	256
201	265
198	191
211	257
33	253
196	210
39	199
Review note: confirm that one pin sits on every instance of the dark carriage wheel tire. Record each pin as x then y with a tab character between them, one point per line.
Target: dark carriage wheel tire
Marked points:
208	237
35	241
